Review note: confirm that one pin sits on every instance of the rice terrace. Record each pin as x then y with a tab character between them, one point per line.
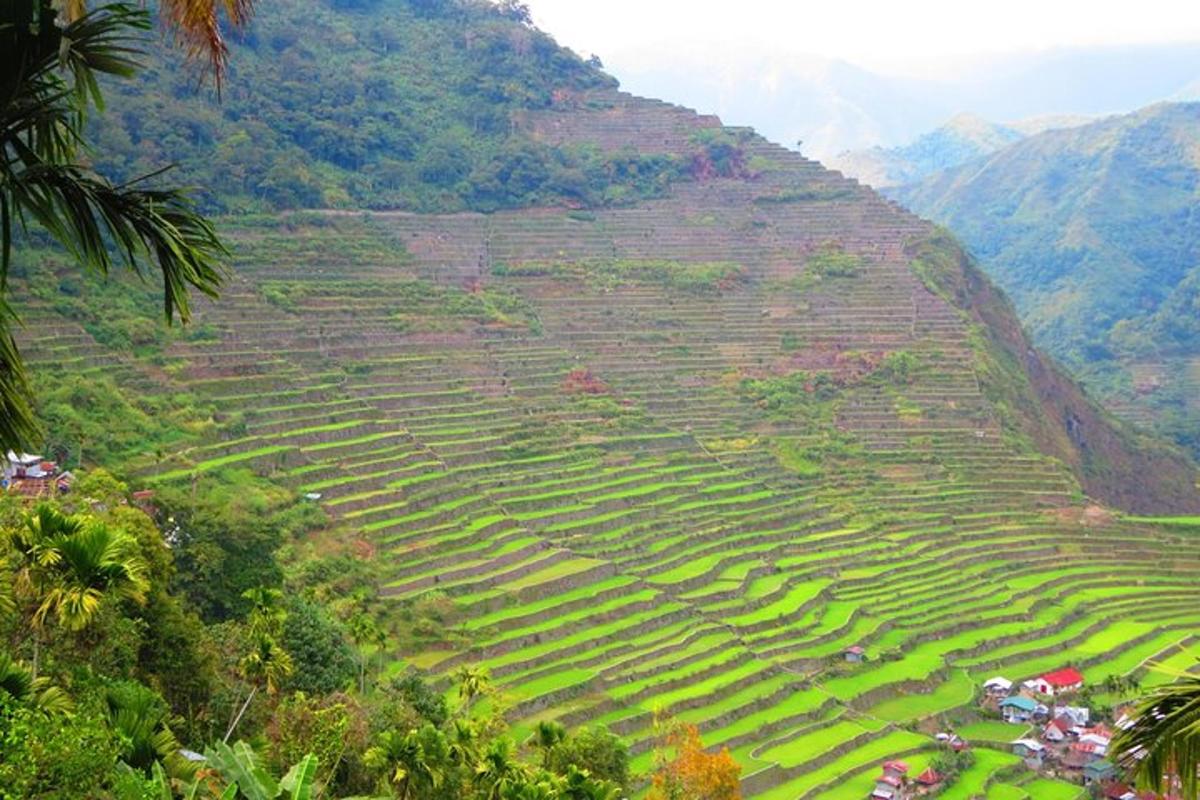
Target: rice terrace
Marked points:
741	455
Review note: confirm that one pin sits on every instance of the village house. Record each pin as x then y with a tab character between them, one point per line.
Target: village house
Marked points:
1078	715
1031	750
887	788
1063	680
1098	772
1018	708
1057	729
1118	791
855	654
997	686
33	476
893	783
928	780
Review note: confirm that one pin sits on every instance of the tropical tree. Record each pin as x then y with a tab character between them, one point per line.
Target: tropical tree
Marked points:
546	735
18	682
85	567
580	784
52	54
266	666
266	615
464	744
409	761
139	717
366	632
498	773
602	753
1161	745
472	682
65	567
243	775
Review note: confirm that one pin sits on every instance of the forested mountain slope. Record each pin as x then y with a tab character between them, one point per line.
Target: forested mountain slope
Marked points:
963	138
1095	233
369	104
667	449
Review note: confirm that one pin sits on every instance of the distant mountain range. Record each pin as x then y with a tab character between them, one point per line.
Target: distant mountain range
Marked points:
963	138
834	107
1095	233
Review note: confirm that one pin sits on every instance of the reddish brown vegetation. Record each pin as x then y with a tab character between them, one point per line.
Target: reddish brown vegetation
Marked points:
583	381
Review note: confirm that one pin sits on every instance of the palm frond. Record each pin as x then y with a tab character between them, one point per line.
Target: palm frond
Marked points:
49	81
17	681
197	27
18	423
85	213
1163	738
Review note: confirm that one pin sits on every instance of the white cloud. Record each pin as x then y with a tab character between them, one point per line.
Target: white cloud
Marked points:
898	36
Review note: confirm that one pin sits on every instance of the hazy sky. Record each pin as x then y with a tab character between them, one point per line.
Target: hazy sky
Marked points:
916	37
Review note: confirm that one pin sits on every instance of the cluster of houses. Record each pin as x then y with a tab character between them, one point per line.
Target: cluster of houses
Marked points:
894	783
1062	737
33	475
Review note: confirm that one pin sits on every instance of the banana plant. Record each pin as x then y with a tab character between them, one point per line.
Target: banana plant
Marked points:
248	779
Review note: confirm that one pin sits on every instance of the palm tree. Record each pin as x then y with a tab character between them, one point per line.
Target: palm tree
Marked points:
66	566
89	565
578	784
49	71
472	682
267	665
266	615
365	631
546	735
196	25
1162	742
139	718
18	682
464	747
409	759
498	773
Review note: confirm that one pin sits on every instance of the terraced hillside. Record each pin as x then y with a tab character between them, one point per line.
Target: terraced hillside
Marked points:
680	455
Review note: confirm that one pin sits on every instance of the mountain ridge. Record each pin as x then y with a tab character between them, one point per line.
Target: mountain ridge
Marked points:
1092	230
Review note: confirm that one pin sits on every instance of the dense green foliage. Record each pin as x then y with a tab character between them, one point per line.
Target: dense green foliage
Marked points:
374	104
1093	232
122	683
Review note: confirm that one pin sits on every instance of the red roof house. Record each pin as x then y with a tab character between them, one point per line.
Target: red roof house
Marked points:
929	777
1067	679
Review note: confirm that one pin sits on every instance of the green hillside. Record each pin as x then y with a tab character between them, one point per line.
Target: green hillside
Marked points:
670	444
1094	232
963	138
367	104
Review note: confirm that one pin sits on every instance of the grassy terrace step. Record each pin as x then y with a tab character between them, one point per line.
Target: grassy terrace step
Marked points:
667	542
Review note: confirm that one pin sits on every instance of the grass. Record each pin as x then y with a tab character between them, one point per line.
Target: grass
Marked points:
992	732
598	548
1048	789
974	780
958	691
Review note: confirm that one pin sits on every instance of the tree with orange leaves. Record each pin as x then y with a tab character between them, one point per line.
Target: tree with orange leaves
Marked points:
684	770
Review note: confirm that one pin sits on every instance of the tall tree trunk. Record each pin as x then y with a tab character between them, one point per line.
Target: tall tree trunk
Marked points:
241	711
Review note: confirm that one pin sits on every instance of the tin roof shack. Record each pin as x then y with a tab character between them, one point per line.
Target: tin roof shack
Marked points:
33	476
